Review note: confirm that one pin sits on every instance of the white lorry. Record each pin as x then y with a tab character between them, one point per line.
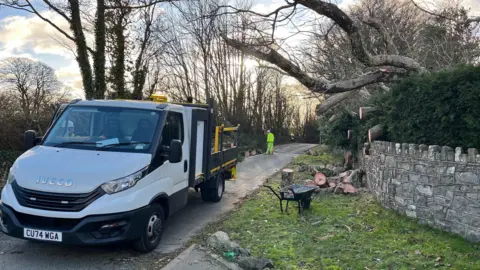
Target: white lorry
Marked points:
110	171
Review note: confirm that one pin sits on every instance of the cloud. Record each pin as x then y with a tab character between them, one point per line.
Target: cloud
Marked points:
68	72
71	77
31	37
19	33
6	54
345	4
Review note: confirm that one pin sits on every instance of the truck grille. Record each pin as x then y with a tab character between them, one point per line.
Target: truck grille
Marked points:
55	201
46	223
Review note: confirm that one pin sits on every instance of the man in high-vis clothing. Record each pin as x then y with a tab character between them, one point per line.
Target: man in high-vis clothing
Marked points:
270	141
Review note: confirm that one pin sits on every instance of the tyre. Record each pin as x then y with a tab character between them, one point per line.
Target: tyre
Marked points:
153	230
205	194
214	194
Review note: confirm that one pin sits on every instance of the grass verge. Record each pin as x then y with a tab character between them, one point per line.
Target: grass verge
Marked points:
322	155
342	232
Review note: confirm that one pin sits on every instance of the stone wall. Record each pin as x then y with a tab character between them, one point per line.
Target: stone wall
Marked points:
437	185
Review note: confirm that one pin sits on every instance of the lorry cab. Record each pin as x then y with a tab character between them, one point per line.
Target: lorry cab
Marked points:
111	171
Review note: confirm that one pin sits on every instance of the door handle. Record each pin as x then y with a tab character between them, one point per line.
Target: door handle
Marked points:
185	166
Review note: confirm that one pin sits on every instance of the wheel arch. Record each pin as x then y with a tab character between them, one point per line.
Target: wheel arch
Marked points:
162	198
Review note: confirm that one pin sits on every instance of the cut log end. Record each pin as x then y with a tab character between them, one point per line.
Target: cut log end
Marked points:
320	179
375	132
364	111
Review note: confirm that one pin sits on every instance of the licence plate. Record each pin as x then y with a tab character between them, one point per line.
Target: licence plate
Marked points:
42	235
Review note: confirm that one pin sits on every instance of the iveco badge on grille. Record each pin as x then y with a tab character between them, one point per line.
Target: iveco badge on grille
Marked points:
54	181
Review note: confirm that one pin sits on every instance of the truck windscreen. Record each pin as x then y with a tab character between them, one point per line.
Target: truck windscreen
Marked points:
105	128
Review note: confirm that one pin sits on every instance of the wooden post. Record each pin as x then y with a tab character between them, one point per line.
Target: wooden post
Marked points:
364	111
375	132
287	178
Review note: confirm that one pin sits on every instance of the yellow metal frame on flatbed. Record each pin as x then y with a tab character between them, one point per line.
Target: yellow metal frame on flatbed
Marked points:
219	129
224	164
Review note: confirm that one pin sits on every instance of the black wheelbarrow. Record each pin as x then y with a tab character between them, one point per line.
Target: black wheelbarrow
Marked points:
299	193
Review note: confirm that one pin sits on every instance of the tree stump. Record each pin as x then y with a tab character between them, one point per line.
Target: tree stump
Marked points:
287	177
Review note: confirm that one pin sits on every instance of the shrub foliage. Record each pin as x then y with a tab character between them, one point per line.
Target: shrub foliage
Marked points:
441	108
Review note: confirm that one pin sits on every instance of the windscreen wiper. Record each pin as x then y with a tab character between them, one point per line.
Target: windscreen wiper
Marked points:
121	144
68	143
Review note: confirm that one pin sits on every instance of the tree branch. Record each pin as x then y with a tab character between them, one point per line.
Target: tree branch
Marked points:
374	23
273	68
333	101
31	9
314	85
472	20
467	21
273	13
139	6
50	22
333	12
56	9
275	58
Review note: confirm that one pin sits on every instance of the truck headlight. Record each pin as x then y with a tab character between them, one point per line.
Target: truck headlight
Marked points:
10	178
124	183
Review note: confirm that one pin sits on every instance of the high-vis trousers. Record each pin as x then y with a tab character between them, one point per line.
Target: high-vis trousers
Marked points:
269	148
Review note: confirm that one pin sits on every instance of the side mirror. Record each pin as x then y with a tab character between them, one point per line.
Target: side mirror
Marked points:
175	154
30	139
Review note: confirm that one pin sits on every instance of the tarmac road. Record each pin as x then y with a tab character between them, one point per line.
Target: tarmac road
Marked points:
21	254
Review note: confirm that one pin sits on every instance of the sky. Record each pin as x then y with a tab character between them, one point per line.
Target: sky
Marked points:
25	35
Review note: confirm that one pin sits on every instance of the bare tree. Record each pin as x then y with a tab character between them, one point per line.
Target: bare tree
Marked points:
32	83
94	83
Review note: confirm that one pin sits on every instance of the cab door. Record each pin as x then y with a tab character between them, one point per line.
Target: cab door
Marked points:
174	129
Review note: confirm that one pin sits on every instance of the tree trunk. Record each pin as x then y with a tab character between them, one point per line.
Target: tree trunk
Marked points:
349	134
119	63
82	50
375	132
287	178
99	56
365	111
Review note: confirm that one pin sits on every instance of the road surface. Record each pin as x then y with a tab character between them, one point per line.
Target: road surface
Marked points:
20	254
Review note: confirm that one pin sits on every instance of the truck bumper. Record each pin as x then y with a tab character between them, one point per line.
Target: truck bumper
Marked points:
91	230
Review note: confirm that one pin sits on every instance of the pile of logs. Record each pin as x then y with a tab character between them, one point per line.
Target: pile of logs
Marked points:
345	183
251	153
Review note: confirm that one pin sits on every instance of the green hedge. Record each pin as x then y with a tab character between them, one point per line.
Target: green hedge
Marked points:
441	108
7	158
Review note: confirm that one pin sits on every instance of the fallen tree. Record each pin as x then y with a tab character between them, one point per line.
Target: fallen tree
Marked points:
388	66
360	48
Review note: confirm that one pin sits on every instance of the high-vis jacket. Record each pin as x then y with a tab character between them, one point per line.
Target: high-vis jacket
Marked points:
270	137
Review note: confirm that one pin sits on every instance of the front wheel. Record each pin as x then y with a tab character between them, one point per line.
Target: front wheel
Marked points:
153	230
